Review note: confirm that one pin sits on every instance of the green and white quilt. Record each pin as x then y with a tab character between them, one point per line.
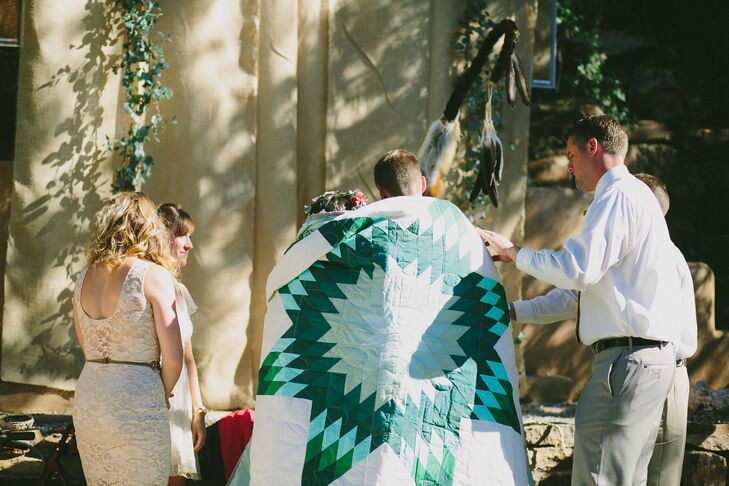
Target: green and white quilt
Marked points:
387	356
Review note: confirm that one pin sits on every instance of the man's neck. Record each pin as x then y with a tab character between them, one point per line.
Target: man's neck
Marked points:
607	163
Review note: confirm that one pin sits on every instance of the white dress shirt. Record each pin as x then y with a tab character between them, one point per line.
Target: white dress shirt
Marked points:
623	262
561	304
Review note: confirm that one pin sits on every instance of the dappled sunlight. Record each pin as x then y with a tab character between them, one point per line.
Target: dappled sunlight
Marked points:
60	180
377	80
207	163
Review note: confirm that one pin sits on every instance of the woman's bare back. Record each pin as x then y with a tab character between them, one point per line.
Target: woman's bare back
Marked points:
101	290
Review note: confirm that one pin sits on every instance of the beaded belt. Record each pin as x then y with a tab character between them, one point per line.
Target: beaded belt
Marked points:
155	365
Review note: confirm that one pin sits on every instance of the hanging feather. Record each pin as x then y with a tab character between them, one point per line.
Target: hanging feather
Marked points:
437	153
482	180
438	149
491	160
497	169
521	84
510	86
503	62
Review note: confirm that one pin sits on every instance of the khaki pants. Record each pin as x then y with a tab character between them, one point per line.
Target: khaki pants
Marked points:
618	413
667	460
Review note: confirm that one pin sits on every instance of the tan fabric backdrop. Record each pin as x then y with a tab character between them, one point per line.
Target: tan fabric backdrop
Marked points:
275	100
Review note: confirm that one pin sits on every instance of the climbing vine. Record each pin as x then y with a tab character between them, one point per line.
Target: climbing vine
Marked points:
142	63
585	78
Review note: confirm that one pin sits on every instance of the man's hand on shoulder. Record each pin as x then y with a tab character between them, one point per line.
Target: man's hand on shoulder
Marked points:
503	250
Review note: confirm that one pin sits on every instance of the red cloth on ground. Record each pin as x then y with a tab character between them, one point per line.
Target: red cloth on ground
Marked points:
235	432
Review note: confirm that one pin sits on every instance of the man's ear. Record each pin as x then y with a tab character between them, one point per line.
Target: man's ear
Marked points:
593	146
383	193
423	184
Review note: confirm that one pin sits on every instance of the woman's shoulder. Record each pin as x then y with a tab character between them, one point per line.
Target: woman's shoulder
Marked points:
191	306
155	276
151	267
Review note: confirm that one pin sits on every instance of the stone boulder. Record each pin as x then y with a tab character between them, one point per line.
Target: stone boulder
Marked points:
701	468
546	389
650	131
553	215
549	171
711	437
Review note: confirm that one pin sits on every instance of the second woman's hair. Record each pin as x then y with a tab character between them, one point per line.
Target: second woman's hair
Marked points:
177	220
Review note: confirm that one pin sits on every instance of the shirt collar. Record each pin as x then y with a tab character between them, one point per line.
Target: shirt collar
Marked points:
607	179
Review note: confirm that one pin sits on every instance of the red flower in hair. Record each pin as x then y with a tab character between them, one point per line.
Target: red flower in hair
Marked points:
358	198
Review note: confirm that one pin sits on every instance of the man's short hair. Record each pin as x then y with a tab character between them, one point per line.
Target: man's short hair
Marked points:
605	129
659	189
398	172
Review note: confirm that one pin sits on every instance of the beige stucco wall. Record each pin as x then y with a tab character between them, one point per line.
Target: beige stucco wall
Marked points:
275	101
207	163
67	104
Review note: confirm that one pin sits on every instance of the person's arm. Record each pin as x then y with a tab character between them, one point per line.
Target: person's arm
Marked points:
687	344
607	235
199	433
160	292
554	306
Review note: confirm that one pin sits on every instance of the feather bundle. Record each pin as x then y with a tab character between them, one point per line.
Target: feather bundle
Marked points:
437	153
520	80
491	159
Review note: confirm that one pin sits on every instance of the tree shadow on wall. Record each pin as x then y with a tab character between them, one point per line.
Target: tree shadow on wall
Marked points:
203	163
378	87
73	194
376	97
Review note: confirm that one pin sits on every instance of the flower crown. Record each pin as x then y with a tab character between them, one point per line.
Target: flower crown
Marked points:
353	199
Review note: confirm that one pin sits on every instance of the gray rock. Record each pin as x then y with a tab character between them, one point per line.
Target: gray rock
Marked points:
550	435
650	131
546	389
549	171
705	295
702	468
710	135
546	459
554	478
709	437
553	215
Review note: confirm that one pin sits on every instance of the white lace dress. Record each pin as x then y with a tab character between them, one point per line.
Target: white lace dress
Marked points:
184	460
120	416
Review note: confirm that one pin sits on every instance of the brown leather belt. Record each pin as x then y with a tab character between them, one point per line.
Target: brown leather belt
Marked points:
155	365
620	342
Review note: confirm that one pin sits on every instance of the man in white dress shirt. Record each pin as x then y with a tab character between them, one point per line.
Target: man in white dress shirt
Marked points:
559	304
629	306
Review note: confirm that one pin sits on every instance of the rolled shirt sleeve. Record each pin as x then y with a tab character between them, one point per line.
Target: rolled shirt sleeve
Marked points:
687	343
606	236
554	306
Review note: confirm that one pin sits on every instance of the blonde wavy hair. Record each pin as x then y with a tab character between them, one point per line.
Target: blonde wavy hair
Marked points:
128	226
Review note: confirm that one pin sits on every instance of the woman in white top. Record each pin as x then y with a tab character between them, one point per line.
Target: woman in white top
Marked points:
187	413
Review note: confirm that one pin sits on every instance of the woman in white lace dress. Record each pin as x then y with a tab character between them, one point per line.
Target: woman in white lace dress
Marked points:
125	321
187	413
